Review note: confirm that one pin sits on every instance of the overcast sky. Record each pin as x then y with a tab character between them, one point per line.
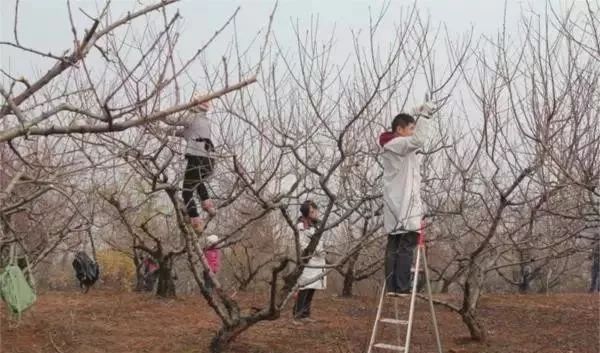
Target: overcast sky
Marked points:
44	24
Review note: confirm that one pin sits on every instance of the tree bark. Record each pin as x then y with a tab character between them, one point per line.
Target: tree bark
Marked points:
349	277
166	284
348	285
445	286
225	335
476	330
468	312
139	272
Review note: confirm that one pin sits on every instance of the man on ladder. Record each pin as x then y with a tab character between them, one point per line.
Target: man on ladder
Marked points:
403	213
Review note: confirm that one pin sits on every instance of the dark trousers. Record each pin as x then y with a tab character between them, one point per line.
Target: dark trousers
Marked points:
208	282
302	306
150	280
197	170
398	261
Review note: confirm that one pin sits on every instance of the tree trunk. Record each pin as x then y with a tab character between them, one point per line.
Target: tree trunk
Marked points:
349	277
525	280
476	330
445	286
468	312
348	285
139	273
166	284
226	335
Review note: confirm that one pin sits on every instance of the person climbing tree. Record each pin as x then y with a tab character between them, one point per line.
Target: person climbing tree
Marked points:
199	157
402	194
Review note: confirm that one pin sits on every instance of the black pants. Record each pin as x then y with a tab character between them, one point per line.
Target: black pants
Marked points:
150	280
208	282
398	261
302	306
197	170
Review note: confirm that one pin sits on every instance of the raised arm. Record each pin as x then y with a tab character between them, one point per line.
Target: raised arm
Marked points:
186	118
179	120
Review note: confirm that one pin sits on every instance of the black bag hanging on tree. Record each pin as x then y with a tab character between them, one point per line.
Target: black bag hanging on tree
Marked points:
86	270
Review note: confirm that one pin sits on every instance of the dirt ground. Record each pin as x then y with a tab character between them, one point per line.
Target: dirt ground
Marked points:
117	322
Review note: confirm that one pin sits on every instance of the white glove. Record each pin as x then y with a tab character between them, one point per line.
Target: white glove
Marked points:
425	110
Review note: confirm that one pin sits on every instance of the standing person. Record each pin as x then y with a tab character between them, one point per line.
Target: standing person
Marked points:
403	210
213	257
150	273
199	157
313	276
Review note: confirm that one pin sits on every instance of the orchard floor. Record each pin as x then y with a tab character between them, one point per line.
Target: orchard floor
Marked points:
118	322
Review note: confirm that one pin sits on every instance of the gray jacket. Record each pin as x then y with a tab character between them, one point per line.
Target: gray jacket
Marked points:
403	207
196	132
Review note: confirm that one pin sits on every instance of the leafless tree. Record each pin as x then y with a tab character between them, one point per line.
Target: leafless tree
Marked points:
111	78
510	178
305	121
514	204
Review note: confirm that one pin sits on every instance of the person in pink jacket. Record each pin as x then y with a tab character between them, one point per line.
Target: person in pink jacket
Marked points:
213	257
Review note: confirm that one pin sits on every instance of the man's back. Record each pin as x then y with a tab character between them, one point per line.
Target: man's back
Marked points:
402	178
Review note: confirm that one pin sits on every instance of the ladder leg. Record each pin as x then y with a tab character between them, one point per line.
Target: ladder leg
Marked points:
377	317
413	296
397	317
433	317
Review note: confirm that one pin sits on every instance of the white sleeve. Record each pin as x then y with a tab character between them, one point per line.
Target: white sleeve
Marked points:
305	235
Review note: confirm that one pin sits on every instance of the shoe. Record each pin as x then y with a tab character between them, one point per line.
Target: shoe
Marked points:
309	319
209	207
297	321
397	294
197	224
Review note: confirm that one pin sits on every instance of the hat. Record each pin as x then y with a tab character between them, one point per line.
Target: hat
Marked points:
212	239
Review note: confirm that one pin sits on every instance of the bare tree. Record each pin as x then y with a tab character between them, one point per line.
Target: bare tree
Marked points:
509	187
113	78
535	110
336	110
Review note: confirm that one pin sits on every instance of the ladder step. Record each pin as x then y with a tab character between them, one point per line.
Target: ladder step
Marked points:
394	321
390	347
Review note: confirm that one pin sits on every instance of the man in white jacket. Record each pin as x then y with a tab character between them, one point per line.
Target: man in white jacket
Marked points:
403	208
199	156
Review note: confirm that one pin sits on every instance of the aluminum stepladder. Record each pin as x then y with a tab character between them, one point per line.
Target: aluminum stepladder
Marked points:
408	323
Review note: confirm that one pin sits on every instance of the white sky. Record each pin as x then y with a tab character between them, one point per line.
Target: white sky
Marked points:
44	24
